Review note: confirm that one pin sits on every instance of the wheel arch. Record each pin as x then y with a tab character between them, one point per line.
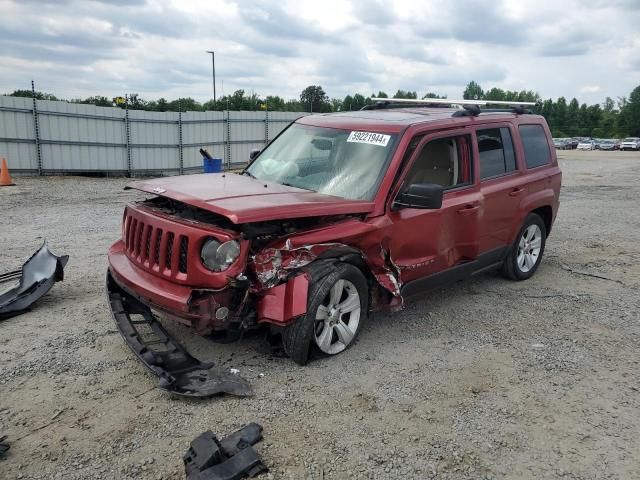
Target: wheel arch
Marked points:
546	213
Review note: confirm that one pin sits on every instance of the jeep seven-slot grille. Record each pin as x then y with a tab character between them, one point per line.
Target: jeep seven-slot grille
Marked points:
155	249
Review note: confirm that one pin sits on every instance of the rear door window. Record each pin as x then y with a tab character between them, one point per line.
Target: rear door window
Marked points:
497	156
536	146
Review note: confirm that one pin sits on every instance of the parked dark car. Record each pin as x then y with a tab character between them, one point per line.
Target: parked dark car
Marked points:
609	144
562	143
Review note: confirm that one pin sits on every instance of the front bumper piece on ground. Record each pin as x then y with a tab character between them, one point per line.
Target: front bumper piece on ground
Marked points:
37	276
179	372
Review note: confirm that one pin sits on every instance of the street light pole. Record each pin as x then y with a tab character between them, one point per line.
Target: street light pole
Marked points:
213	65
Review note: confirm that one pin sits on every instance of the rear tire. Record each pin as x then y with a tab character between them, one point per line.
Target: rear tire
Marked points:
526	253
336	309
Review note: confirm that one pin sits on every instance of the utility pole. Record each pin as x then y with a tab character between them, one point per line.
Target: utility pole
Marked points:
213	65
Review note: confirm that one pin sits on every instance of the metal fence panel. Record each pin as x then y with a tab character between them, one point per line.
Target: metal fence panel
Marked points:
247	131
21	157
202	129
81	137
16	123
278	121
85	138
154	141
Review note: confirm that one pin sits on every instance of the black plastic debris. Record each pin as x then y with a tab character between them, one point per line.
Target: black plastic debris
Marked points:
179	372
231	458
4	446
35	279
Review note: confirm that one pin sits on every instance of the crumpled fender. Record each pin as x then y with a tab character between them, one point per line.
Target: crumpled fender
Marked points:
284	291
283	303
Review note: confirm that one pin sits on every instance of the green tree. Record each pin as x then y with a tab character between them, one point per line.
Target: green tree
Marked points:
608	105
473	91
406	94
97	101
347	103
495	94
358	102
571	121
294	106
315	99
184	105
274	103
29	94
629	122
432	95
336	105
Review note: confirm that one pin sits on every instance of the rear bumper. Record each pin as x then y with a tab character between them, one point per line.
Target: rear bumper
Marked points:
205	310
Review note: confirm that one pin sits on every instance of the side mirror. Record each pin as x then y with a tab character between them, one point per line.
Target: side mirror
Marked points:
421	195
254	153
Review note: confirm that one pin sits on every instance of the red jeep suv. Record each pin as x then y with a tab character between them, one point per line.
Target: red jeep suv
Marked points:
340	215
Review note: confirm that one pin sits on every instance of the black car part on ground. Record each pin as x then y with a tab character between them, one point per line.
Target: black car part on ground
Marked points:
230	458
179	372
35	279
4	446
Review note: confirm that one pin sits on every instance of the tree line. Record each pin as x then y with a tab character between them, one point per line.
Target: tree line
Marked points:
611	119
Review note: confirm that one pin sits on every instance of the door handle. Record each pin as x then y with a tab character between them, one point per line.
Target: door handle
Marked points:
469	209
516	191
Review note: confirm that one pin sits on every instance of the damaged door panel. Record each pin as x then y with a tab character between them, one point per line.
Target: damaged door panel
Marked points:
431	240
35	279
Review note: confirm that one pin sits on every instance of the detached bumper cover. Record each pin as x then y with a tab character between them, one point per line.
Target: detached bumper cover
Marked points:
36	278
179	372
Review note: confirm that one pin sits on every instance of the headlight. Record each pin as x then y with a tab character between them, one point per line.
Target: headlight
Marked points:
218	257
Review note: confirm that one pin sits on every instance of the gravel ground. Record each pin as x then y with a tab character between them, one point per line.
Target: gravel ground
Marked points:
483	379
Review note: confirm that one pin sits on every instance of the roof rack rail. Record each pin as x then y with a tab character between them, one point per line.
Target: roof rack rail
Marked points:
467	107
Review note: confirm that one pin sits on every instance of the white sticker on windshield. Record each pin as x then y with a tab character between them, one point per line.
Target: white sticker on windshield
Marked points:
370	138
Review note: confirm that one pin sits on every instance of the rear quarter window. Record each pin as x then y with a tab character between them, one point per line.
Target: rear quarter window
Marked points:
536	146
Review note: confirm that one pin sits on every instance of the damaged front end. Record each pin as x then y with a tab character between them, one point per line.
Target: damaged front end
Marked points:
279	266
179	372
35	279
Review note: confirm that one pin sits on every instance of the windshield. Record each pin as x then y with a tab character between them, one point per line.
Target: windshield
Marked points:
344	163
630	139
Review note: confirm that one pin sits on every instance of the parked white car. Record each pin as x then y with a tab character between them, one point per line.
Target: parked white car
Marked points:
630	143
587	145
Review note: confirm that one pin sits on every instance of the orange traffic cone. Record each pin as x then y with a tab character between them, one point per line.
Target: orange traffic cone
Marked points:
5	178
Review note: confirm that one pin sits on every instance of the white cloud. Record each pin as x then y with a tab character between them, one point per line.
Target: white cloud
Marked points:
77	48
590	89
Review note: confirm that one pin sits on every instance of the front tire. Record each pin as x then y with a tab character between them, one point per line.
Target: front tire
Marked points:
526	253
336	309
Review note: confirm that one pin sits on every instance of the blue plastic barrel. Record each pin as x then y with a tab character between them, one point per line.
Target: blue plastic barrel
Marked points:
212	165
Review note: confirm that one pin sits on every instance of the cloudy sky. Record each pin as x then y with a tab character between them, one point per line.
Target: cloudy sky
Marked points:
76	48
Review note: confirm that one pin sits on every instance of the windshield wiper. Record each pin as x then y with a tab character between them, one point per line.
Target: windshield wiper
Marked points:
247	172
295	186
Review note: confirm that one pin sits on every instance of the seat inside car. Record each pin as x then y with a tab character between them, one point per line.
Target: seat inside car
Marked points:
435	164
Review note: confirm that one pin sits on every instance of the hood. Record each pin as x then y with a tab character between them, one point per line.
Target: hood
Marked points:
243	199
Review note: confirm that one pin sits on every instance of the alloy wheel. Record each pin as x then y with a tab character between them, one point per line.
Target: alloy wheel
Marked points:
529	248
337	318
